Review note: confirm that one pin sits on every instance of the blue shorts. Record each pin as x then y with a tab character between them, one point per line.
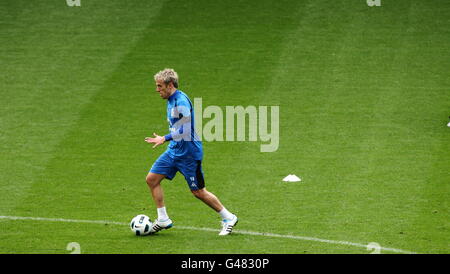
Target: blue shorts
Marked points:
190	168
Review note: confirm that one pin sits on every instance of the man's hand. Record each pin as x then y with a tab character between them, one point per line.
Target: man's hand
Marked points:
158	140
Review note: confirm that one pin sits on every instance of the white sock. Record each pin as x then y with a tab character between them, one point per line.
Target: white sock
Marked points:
225	214
162	214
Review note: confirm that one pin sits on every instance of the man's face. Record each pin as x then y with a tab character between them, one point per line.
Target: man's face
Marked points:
163	89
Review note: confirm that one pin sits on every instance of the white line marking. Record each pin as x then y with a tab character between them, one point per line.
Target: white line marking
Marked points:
252	233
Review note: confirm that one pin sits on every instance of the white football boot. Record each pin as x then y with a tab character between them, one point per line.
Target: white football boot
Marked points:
160	225
227	226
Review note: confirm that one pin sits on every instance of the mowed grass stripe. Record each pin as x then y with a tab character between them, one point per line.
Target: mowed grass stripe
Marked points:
344	132
54	59
424	140
393	150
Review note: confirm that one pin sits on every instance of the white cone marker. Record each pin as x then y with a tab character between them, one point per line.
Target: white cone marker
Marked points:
291	178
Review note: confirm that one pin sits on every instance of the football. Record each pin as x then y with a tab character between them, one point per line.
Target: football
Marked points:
141	225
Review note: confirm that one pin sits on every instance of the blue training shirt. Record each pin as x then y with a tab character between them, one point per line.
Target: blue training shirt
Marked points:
184	142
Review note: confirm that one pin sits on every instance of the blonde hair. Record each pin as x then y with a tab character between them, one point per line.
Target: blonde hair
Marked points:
167	75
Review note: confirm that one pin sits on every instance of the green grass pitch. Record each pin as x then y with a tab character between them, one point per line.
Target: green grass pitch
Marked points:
364	100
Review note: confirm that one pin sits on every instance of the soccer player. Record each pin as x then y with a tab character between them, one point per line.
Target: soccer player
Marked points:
183	154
